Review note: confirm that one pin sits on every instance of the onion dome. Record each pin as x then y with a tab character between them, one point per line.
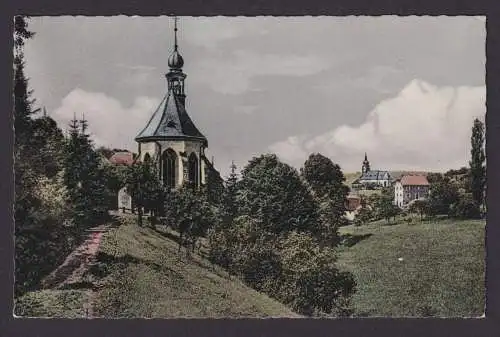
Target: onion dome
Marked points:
175	60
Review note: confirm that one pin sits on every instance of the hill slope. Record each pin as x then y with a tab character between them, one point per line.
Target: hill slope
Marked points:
145	276
421	269
139	273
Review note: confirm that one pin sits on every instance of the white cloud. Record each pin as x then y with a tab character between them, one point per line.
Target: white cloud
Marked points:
424	127
233	77
110	123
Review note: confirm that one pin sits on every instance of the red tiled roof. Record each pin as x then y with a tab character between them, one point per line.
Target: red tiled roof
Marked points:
414	180
122	158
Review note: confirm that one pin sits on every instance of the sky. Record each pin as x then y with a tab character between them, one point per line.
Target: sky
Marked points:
403	89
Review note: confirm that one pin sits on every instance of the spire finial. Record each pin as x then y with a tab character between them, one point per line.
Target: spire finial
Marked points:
366	158
175	33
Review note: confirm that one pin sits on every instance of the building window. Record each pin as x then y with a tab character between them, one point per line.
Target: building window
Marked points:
193	169
147	158
169	168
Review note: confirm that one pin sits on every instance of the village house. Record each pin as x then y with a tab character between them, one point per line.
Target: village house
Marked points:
409	188
372	178
353	202
122	158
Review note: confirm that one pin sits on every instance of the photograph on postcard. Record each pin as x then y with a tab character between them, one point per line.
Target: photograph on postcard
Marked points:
229	167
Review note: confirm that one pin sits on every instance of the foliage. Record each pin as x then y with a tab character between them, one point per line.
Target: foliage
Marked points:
47	138
421	207
443	194
272	193
145	188
327	182
229	201
477	163
188	210
312	283
53	196
385	208
465	208
364	215
84	177
293	267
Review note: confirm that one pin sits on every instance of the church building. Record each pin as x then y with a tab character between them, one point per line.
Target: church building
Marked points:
372	178
170	138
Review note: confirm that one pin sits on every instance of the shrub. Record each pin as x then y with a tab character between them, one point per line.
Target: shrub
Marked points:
312	284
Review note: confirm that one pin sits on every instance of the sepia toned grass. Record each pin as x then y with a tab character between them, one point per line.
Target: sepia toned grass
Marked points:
53	303
143	275
419	269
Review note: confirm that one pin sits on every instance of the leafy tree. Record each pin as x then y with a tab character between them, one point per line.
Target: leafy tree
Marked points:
273	193
145	188
420	206
386	207
327	182
323	176
443	194
105	152
364	214
477	163
188	210
465	208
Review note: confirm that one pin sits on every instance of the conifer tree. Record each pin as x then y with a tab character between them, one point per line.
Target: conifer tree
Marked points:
229	200
84	177
477	163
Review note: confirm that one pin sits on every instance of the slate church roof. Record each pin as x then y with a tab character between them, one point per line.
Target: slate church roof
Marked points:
375	175
170	121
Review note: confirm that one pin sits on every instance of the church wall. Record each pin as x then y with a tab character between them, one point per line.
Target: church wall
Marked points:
149	148
186	147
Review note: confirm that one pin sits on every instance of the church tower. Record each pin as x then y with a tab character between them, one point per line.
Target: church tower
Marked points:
365	168
170	138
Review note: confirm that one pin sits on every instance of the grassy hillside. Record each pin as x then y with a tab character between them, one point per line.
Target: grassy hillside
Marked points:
139	273
146	277
421	269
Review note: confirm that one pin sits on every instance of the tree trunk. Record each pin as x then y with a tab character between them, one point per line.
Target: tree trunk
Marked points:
139	216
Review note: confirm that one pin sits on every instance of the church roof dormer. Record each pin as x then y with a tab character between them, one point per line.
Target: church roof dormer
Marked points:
170	120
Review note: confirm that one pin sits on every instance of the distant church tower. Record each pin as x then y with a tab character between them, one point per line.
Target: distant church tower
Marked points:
366	165
170	138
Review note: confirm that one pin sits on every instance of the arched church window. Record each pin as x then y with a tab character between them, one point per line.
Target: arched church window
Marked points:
169	159
147	158
193	168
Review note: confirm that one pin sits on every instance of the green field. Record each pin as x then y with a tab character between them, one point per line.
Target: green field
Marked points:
420	269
